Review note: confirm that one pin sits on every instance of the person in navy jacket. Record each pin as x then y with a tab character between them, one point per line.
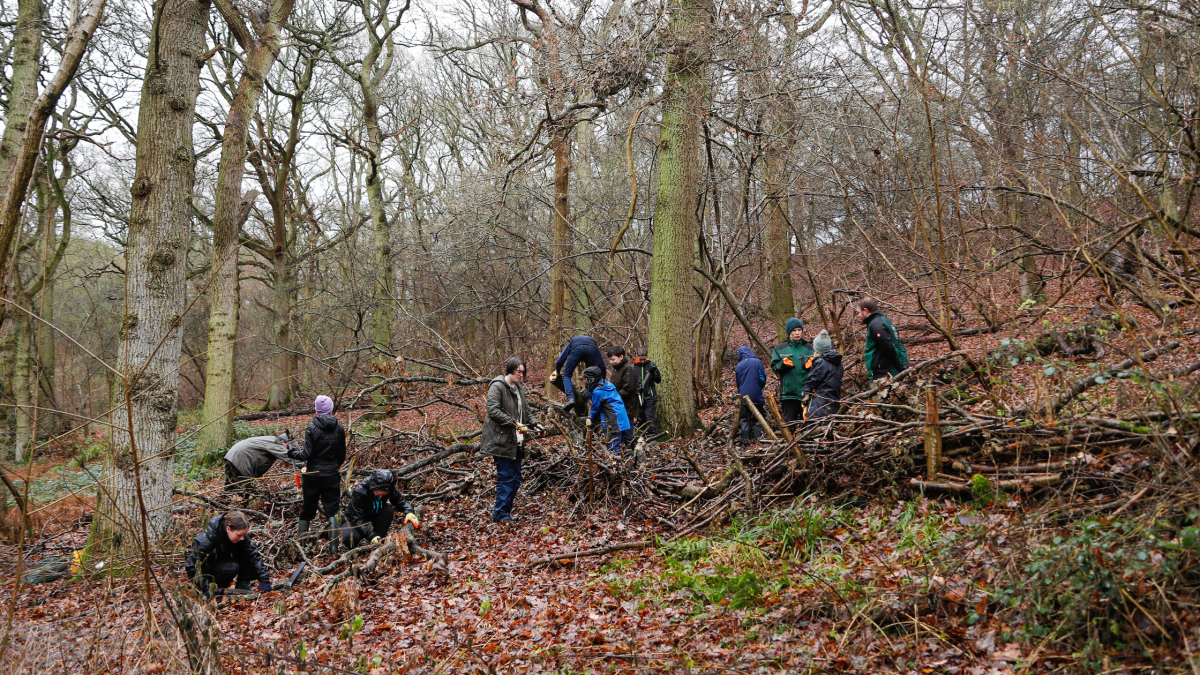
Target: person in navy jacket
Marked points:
751	377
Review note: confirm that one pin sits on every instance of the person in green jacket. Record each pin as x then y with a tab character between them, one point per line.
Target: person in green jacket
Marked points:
790	361
884	354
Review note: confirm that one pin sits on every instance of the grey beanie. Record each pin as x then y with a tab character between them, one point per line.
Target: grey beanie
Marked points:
822	343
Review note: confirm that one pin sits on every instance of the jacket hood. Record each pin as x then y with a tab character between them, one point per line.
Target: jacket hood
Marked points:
833	356
605	386
326	422
381	479
745	353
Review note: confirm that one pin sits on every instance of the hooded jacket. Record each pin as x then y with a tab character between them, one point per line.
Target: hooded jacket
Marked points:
255	456
324	448
885	353
586	352
506	406
750	375
607	407
648	378
825	384
212	545
364	505
625	379
791	378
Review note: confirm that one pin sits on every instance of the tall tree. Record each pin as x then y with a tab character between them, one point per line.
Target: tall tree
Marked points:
134	503
676	227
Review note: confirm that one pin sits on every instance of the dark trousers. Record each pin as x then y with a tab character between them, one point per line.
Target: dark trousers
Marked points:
508	479
236	483
618	439
220	573
749	426
793	410
649	405
353	535
324	489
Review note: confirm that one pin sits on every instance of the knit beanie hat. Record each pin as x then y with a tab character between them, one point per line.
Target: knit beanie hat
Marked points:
323	405
792	324
822	343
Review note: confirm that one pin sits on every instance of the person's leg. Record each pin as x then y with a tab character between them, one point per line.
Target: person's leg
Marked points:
311	487
331	502
508	479
568	371
649	406
627	438
793	410
614	442
351	536
235	482
383	520
219	574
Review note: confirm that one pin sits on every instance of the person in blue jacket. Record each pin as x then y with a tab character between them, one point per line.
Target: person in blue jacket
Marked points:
579	349
751	378
608	409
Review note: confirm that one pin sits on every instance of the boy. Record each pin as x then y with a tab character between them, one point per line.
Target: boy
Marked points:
648	379
823	387
608	409
885	354
624	378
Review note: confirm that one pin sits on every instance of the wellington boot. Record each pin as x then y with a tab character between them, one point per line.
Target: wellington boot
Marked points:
335	534
302	527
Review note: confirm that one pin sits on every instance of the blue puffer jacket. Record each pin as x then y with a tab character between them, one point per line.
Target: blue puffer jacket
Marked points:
607	406
751	375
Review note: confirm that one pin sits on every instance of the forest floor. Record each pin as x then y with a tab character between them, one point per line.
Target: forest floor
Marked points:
847	573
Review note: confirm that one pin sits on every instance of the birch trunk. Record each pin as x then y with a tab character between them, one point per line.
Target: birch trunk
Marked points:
139	469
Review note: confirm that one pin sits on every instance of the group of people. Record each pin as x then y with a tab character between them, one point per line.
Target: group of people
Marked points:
810	374
810	388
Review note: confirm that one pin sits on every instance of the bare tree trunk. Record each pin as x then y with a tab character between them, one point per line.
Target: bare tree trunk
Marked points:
778	240
139	469
230	213
21	371
561	248
676	229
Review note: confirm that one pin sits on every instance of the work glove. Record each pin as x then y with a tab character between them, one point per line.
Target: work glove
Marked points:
264	586
589	422
412	518
375	540
788	362
554	376
523	429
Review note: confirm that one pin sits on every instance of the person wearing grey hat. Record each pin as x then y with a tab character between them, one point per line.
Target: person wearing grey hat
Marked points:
252	458
823	388
790	361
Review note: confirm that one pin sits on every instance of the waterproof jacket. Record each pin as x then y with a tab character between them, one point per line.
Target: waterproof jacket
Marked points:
212	545
648	378
504	410
750	374
625	379
255	456
324	448
824	383
579	349
607	407
364	505
791	378
885	353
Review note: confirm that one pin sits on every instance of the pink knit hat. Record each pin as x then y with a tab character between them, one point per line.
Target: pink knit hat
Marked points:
323	405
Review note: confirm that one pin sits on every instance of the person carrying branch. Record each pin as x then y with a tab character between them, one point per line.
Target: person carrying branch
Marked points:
504	432
625	379
608	409
789	360
648	380
751	378
885	354
252	458
323	453
823	387
224	552
579	349
369	514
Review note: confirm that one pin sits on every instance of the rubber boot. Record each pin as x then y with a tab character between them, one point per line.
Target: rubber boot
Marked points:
302	527
335	534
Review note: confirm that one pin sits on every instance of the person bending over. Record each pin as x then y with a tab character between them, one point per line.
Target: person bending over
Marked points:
252	458
608	409
372	506
224	553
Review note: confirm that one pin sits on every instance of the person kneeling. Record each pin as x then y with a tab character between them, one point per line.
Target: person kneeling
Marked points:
223	552
369	515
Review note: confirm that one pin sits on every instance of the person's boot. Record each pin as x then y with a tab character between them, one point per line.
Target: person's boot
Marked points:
302	527
335	534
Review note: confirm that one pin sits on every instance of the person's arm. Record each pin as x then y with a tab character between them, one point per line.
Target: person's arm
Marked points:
882	337
594	415
562	359
495	410
762	375
202	547
339	447
398	502
655	373
777	363
304	452
253	560
279	451
815	377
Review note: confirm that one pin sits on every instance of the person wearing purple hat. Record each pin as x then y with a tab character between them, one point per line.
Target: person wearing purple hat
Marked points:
323	452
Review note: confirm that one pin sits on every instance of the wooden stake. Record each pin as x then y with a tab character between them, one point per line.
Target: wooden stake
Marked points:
737	417
758	416
774	408
933	435
587	441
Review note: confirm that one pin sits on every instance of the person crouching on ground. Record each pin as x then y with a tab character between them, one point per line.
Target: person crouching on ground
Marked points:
504	433
222	553
751	377
823	388
323	452
608	409
252	458
369	514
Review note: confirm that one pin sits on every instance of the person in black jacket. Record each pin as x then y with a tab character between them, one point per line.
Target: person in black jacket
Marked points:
823	388
648	378
368	513
324	451
624	378
223	552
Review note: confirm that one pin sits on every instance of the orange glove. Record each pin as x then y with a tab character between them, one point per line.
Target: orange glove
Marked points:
808	363
787	361
412	518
